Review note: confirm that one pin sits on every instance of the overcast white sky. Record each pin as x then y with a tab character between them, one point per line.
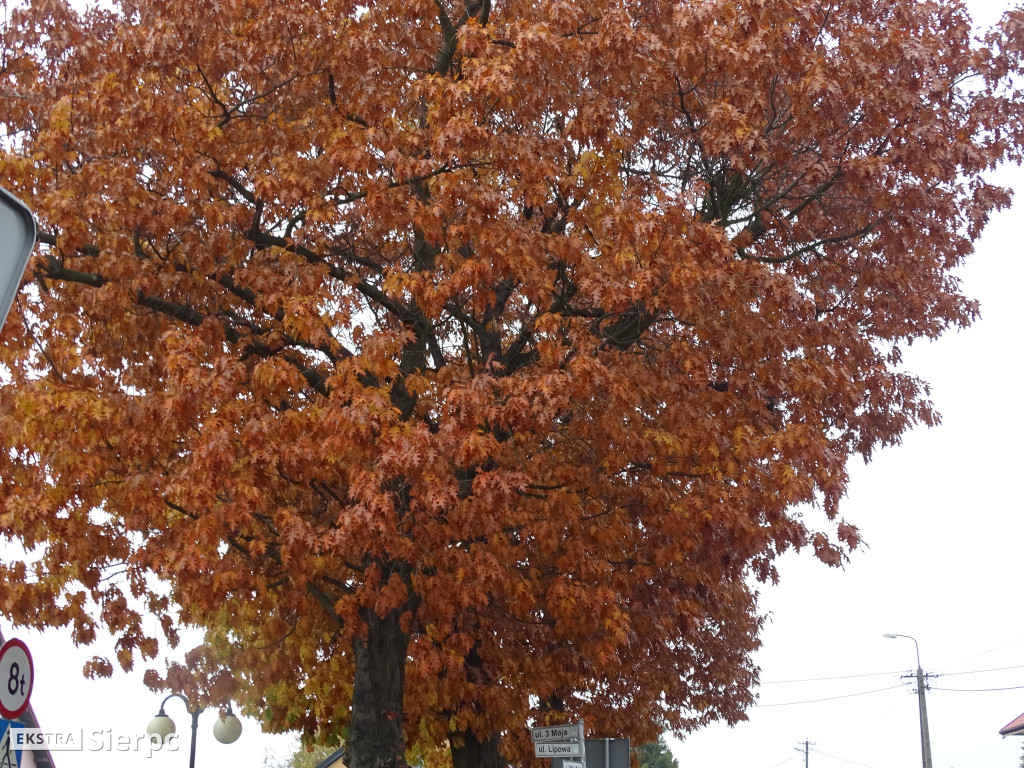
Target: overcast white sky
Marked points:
941	516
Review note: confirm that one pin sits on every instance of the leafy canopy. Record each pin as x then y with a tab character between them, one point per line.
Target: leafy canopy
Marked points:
523	327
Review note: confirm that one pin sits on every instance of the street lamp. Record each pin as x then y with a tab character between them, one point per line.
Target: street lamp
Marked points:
926	744
226	730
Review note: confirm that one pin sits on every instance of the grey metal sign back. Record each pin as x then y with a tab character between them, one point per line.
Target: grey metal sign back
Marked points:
17	237
601	753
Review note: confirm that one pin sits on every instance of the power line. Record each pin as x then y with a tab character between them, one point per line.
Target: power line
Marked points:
981	671
880	690
978	690
829	698
984	653
835	677
882	674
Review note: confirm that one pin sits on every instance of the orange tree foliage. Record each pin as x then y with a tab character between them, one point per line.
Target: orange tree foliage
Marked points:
454	364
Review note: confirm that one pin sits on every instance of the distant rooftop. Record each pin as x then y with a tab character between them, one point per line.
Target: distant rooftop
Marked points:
1015	728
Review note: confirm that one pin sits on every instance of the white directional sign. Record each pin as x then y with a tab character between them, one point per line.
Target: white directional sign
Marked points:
558	749
572	764
17	236
571	732
16	676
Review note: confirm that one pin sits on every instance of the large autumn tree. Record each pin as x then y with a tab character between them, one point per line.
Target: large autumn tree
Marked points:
454	364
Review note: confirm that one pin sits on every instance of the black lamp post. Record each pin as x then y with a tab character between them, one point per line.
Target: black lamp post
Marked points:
226	730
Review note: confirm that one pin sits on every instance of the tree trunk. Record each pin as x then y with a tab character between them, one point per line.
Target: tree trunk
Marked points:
477	754
375	737
468	751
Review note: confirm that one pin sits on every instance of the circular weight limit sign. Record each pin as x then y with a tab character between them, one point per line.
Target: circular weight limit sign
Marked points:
16	676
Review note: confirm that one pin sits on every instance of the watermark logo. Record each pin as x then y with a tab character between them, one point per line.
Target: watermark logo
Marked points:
94	741
54	741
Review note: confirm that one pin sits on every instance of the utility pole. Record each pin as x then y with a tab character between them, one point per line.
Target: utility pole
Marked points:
926	743
806	750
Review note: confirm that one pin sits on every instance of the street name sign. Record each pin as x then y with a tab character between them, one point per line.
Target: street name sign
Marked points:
560	741
571	732
572	764
558	749
17	237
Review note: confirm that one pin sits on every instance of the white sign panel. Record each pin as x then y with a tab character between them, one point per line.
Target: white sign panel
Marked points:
572	764
558	749
17	236
571	732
